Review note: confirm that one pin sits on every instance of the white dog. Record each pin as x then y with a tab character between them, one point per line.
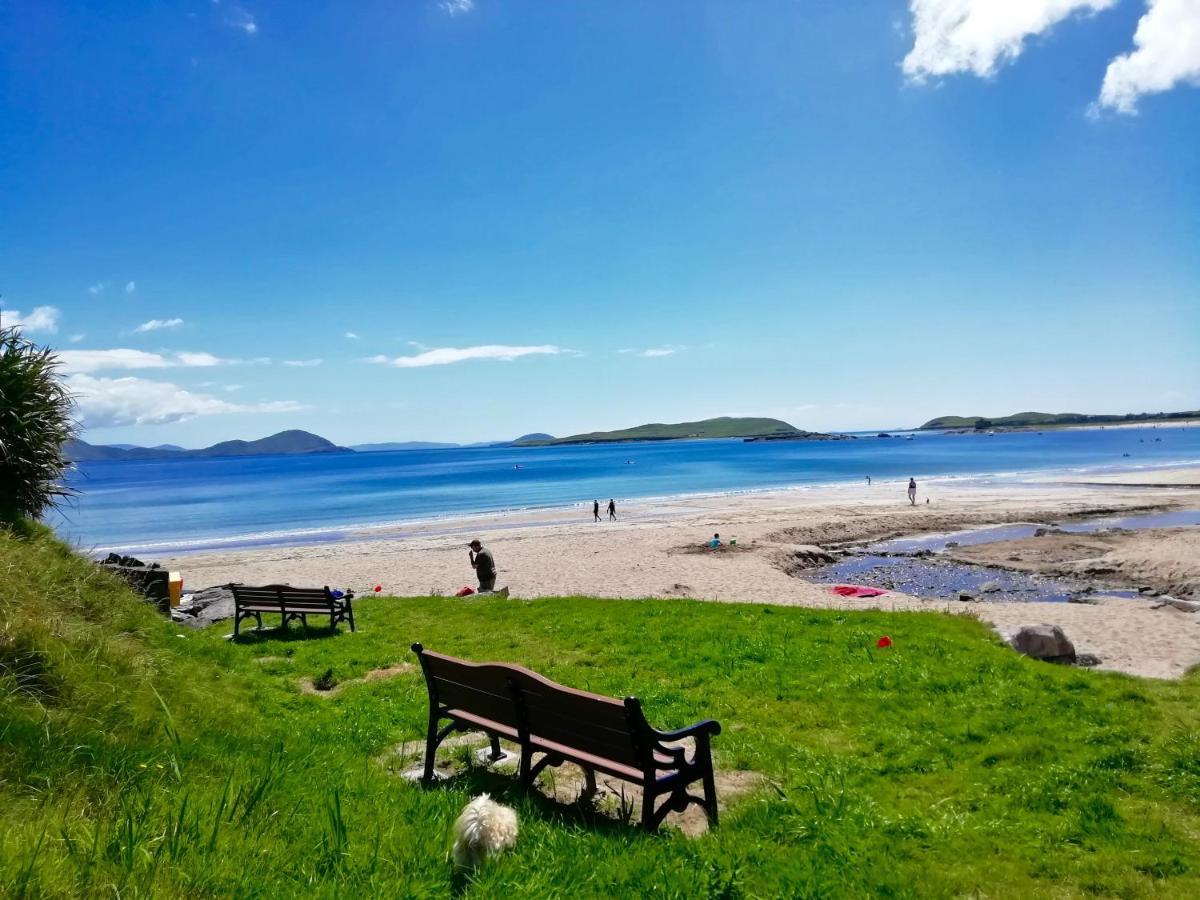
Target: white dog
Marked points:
484	829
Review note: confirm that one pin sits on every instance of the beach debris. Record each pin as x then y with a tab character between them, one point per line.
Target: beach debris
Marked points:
950	545
1087	660
883	642
966	596
856	590
378	588
1148	591
1045	642
465	591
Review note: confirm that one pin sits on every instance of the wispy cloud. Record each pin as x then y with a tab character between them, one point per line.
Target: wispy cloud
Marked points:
241	20
352	336
303	363
76	338
76	361
97	288
130	287
157	325
456	7
979	36
107	402
41	319
653	352
442	356
1167	53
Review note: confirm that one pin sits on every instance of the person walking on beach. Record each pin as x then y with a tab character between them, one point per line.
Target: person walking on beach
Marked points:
912	491
612	510
868	481
484	566
596	509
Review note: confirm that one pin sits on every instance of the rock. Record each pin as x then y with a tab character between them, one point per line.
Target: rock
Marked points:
990	587
1189	606
1081	598
1045	642
1087	659
1042	532
950	545
1148	590
965	596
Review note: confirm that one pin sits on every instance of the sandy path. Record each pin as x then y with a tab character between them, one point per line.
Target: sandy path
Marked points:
561	553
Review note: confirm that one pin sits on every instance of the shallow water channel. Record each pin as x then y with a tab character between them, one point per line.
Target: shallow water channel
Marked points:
905	564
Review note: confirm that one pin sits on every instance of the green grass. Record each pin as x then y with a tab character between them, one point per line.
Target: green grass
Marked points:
137	762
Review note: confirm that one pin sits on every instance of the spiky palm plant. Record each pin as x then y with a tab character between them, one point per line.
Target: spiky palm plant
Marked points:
35	423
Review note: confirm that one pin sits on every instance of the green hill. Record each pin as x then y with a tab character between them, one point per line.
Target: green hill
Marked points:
294	441
1049	420
724	427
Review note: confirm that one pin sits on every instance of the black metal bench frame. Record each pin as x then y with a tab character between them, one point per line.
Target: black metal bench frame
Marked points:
613	736
290	603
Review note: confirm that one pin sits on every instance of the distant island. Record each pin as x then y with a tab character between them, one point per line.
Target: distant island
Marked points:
1050	420
723	427
284	442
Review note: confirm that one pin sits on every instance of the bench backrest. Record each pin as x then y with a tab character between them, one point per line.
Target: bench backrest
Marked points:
284	596
535	705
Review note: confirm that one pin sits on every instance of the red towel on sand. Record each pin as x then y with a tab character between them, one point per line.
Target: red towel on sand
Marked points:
855	590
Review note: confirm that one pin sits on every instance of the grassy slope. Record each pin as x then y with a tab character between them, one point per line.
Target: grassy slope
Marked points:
944	766
724	427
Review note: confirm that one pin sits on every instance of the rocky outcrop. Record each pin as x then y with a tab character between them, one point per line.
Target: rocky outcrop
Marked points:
1045	642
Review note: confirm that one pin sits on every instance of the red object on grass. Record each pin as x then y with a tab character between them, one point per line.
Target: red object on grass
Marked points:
378	588
884	641
856	590
465	591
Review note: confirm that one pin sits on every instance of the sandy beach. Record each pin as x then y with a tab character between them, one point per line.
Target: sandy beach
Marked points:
656	549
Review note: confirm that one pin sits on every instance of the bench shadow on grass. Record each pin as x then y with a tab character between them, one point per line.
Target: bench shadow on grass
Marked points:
286	633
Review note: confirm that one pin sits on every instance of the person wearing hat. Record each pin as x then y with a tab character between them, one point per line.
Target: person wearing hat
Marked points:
484	566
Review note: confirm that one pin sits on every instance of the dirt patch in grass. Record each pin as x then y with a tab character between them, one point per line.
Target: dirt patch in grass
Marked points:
326	686
566	784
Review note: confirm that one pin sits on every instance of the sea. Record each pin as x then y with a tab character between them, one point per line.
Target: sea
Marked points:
192	504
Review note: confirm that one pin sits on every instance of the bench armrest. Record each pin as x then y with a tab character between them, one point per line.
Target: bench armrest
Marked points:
707	726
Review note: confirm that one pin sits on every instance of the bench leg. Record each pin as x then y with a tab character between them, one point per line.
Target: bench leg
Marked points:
237	625
704	752
589	784
649	822
431	745
496	753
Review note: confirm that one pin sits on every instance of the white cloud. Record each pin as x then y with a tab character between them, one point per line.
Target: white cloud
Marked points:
351	335
125	358
107	402
230	388
654	352
1167	53
978	36
97	288
442	356
41	319
303	363
76	338
130	287
456	7
157	325
243	21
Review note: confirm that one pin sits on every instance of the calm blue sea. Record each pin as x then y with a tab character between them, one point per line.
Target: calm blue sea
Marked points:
188	504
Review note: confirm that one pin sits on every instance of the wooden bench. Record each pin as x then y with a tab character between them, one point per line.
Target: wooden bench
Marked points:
290	603
560	724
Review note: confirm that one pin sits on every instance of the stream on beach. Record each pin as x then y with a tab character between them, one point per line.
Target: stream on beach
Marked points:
916	566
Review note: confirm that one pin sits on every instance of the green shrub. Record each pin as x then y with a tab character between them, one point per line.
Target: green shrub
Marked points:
35	423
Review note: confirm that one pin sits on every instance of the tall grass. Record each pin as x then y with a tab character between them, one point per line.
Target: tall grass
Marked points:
161	765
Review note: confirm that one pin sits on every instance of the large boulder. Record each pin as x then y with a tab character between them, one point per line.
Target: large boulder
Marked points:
1047	642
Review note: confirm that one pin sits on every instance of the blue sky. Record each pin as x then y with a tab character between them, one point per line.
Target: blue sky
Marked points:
471	220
